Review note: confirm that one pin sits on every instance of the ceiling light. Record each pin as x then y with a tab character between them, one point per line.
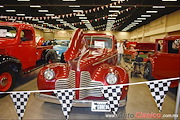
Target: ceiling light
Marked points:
49	14
84	20
35	6
151	11
68	0
115	6
80	14
141	18
40	21
111	18
23	0
158	6
137	21
43	11
35	19
77	10
145	15
74	6
113	10
59	20
82	17
1	6
20	14
113	15
10	10
117	0
169	0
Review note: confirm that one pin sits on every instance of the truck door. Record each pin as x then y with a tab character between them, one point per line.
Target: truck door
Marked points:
167	63
27	48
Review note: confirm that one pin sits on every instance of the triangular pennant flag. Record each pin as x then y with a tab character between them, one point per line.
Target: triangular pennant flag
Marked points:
20	101
113	94
65	97
158	91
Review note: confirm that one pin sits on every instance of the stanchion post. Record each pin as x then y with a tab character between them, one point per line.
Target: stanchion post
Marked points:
177	102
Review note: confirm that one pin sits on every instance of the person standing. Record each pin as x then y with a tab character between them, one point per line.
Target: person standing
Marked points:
120	49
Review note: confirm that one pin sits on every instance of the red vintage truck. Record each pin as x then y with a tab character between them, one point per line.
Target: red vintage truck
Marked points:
165	62
134	48
90	62
19	53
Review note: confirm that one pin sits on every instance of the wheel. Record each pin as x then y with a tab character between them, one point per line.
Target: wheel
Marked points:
148	71
50	57
7	80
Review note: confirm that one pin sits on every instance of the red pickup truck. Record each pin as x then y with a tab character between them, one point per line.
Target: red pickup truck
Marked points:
165	62
91	62
19	53
134	48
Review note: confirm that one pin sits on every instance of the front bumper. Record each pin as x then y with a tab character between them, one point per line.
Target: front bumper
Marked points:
76	103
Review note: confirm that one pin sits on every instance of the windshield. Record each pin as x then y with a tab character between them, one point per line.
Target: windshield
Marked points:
7	32
62	42
99	42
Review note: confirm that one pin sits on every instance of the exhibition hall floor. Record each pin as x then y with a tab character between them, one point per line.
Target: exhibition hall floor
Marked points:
139	102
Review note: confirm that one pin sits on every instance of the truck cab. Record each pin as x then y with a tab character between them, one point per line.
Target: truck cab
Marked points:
165	63
19	52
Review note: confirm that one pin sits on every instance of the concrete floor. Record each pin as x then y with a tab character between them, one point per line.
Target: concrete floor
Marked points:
139	100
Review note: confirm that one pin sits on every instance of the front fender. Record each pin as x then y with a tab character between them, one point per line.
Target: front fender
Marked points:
123	78
61	71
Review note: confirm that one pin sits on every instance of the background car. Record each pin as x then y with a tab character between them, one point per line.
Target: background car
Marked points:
60	46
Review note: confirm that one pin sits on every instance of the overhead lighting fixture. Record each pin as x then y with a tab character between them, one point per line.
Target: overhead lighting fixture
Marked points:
141	18
49	14
74	5
111	18
151	11
82	17
145	15
77	10
137	21
23	0
1	6
158	6
35	6
43	11
169	0
20	14
80	14
59	20
35	19
115	6
117	0
68	0
40	21
113	10
113	15
10	10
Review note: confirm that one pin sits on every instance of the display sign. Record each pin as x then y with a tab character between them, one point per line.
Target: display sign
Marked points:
100	107
3	32
99	44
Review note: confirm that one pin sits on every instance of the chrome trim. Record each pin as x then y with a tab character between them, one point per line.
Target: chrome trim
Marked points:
104	60
76	103
86	81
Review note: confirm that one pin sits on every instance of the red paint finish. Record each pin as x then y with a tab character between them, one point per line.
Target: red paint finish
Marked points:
166	60
26	51
90	63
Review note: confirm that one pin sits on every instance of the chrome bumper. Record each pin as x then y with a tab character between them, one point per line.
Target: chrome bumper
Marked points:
76	103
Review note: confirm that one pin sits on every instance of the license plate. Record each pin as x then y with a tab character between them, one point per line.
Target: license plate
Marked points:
100	107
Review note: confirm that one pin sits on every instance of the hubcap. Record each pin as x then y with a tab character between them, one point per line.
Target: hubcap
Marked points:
5	81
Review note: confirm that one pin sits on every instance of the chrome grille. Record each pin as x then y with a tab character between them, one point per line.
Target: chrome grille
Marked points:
72	79
87	82
61	84
66	83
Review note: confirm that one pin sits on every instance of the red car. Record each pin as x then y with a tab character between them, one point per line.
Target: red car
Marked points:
20	53
90	62
165	63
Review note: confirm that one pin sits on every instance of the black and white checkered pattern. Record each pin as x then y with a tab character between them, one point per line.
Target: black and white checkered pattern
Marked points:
20	101
113	94
65	97
158	91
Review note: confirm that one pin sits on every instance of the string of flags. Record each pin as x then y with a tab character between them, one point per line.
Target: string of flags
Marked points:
112	93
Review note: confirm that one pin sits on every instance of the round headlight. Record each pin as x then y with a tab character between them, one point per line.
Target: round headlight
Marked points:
49	74
111	78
